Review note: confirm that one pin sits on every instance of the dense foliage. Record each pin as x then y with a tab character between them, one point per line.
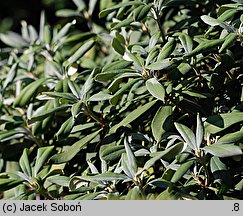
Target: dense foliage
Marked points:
143	103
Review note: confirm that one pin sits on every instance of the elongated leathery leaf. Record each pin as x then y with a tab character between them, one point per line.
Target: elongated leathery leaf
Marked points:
6	184
131	160
205	46
24	163
65	128
42	156
186	42
210	20
59	180
229	41
87	86
74	149
187	134
100	96
11	75
161	122
223	150
199	132
135	194
63	31
116	7
42	113
231	137
125	166
167	49
133	115
109	176
68	96
181	171
155	88
218	123
79	53
168	154
13	39
111	152
159	65
28	92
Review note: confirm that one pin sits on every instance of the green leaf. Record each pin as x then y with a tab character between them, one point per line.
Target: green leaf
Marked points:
118	46
205	47
10	76
218	123
132	116
62	32
42	26
181	171
100	96
161	122
239	1
107	11
28	92
141	12
116	66
187	134
76	109
80	127
125	166
199	132
59	180
65	129
210	21
80	4
217	22
115	98
10	134
217	165
115	85
67	96
24	163
122	23
7	184
108	176
89	196
131	160
42	114
186	42
42	156
74	87
195	94
87	86
92	4
231	137
152	56
223	150
168	154
135	194
111	152
229	41
66	13
78	37
220	171
156	89
74	149
167	49
160	65
13	39
79	53
167	195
